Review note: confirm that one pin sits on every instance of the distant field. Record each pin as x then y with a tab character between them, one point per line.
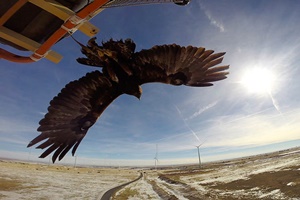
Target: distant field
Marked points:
269	176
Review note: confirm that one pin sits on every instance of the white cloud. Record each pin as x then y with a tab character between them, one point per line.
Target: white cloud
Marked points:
9	125
16	131
260	128
255	130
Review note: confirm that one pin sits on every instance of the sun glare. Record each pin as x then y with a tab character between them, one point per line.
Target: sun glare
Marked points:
258	80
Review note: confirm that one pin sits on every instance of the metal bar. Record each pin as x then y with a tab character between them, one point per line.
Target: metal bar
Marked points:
121	3
10	12
64	14
69	24
50	7
26	43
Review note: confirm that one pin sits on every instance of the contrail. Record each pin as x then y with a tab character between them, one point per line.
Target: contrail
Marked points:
202	110
275	103
186	124
212	20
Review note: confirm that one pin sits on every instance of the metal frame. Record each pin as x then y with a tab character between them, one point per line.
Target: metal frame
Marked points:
72	22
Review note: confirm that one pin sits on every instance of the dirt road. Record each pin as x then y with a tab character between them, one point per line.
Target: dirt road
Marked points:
112	191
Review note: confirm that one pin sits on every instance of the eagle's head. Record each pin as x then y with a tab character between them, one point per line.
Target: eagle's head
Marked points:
124	49
137	92
132	89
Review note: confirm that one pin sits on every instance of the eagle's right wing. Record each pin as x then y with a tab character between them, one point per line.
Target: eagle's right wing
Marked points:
72	112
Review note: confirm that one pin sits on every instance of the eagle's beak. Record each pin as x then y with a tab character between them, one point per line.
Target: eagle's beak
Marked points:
138	96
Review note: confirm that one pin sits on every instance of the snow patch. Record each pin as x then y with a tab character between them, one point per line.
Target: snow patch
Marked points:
272	193
291	152
143	188
291	184
166	186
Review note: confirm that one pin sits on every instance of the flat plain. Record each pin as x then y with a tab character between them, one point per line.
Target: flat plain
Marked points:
267	176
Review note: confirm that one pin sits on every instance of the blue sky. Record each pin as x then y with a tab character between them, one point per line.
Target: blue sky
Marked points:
230	119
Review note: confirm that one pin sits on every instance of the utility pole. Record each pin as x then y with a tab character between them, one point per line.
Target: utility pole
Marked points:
75	161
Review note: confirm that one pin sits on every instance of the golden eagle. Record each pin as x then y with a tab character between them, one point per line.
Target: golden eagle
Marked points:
78	106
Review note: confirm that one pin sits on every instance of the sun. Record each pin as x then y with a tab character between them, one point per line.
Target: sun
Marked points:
258	80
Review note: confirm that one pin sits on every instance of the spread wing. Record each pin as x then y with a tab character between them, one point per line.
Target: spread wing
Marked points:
176	65
72	112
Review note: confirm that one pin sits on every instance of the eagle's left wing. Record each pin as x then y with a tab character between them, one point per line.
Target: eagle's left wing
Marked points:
177	65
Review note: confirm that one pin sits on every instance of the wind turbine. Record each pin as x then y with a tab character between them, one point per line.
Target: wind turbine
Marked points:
199	154
155	158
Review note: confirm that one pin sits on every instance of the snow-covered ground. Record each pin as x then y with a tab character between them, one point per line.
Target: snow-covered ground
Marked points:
32	181
268	176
